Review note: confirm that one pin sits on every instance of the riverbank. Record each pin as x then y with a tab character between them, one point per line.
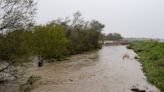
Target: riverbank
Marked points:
152	59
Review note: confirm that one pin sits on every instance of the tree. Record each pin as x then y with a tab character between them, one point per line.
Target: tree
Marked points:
50	41
113	36
97	28
16	14
15	17
14	50
83	35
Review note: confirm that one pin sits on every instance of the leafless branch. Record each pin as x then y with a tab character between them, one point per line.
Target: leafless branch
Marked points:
6	67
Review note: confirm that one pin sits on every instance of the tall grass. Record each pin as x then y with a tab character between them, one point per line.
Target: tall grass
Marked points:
152	59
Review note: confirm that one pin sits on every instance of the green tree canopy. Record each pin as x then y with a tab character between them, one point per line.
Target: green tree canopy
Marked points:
50	41
113	36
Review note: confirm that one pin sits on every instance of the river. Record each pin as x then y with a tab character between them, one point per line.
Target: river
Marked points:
99	71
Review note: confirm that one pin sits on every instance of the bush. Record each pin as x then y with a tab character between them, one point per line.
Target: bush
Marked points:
50	41
85	37
13	46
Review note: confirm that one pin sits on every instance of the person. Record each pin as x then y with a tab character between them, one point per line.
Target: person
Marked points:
40	61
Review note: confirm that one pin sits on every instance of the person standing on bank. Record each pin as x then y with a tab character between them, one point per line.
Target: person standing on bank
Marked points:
40	61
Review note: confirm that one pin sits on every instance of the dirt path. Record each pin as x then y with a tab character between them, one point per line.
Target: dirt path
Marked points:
102	71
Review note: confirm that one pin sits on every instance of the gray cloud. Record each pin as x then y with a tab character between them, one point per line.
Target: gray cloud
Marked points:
131	18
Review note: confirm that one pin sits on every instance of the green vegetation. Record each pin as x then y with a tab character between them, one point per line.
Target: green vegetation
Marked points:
152	57
53	41
49	41
59	39
113	36
14	46
85	37
15	17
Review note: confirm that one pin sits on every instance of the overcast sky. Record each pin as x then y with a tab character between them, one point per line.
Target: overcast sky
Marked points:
131	18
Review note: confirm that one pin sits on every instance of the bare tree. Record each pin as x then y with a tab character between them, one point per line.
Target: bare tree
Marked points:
15	14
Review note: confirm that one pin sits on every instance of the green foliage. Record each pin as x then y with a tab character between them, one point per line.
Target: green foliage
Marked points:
113	36
50	41
84	36
54	40
152	57
14	45
82	40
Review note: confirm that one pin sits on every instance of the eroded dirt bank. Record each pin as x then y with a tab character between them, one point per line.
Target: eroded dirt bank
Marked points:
103	71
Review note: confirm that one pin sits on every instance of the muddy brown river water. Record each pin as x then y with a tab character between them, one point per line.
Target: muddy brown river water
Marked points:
100	71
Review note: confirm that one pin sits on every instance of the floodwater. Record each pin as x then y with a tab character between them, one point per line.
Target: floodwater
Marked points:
100	71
